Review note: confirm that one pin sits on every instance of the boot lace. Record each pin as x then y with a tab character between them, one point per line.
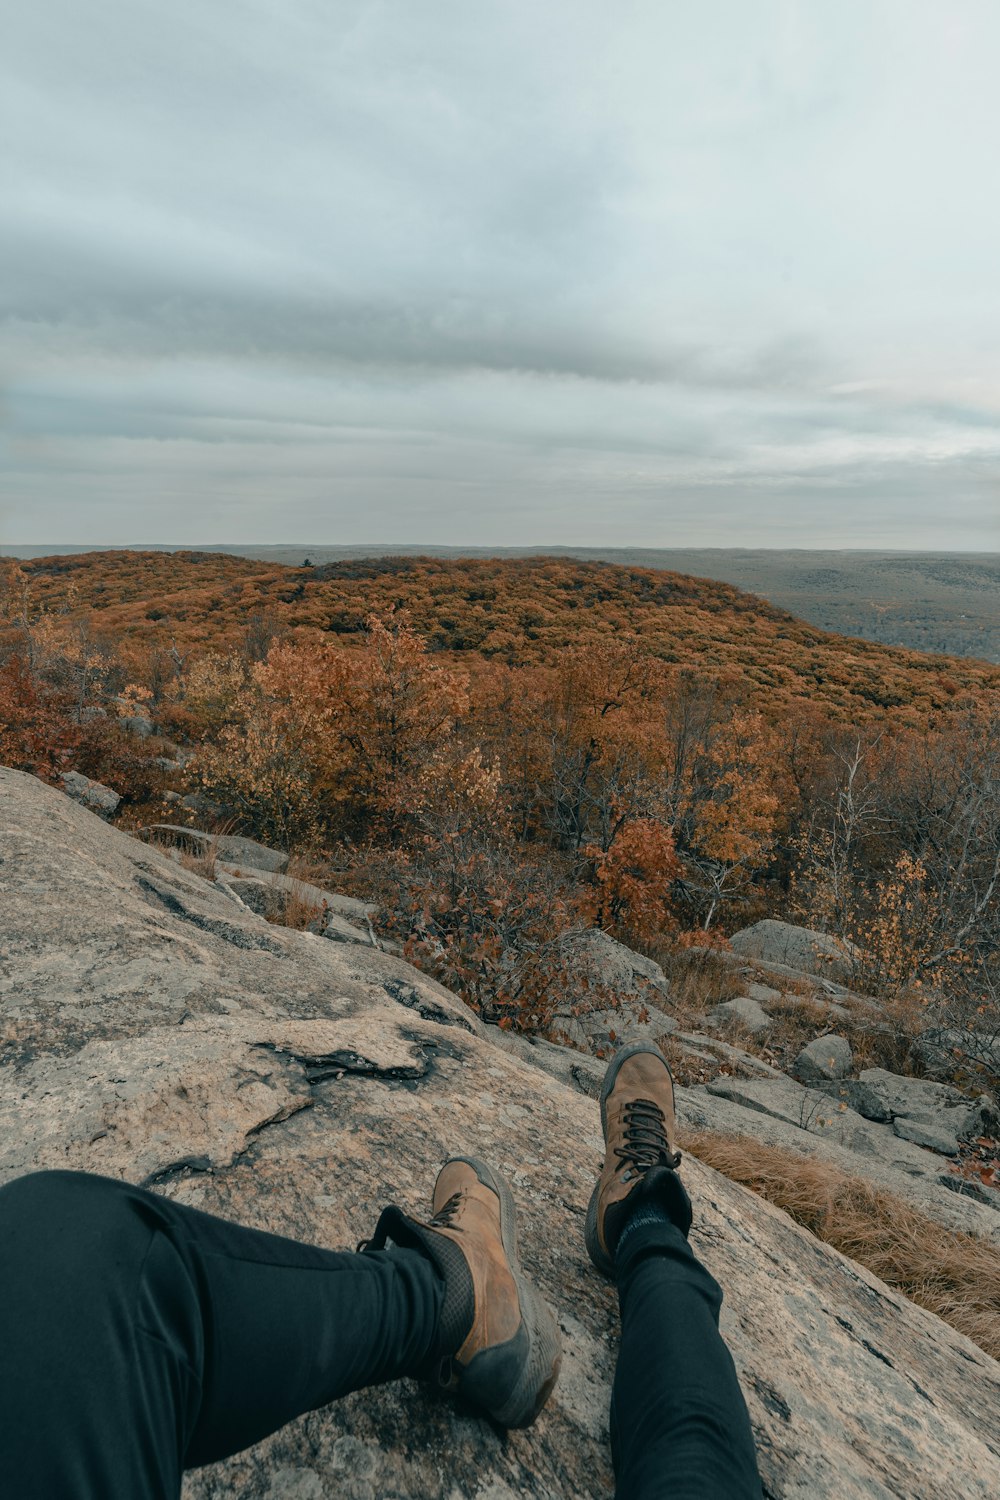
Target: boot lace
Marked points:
646	1144
446	1213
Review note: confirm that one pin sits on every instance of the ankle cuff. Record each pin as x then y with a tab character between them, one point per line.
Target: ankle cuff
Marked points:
459	1304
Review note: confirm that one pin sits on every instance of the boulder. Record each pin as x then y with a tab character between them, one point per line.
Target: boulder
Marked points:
822	1059
270	896
797	948
744	1010
931	1114
618	995
864	1149
609	967
153	1030
93	794
235	851
873	1146
138	725
282	888
604	1032
762	992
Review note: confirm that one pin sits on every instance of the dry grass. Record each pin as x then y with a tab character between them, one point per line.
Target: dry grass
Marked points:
301	910
311	868
954	1275
203	863
699	979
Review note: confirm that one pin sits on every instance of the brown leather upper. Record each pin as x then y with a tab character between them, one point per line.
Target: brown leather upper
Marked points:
644	1076
475	1228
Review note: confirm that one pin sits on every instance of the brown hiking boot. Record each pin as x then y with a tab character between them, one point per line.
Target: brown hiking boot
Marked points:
498	1342
637	1114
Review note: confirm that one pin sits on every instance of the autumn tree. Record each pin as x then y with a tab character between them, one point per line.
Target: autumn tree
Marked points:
726	804
37	733
634	881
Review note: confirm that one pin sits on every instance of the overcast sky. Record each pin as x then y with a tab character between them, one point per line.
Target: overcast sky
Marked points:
635	272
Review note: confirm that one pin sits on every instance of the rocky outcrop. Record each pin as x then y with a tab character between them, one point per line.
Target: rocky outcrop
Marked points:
154	1030
797	948
618	995
93	794
744	1011
272	897
930	1114
812	1121
234	850
822	1059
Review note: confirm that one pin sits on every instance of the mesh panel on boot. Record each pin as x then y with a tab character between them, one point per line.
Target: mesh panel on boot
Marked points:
459	1306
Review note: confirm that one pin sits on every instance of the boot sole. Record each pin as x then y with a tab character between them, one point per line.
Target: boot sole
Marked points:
542	1355
595	1249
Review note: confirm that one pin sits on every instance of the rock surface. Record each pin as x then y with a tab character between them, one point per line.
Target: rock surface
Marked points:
782	1112
931	1114
798	948
93	794
153	1030
824	1058
619	995
270	900
234	850
744	1010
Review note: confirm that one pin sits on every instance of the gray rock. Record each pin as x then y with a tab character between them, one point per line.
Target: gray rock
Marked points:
809	1109
619	994
155	1031
609	968
798	948
872	1152
714	1049
604	1032
932	1114
743	1009
859	1097
285	886
762	992
235	851
937	1135
824	1058
93	794
138	725
339	930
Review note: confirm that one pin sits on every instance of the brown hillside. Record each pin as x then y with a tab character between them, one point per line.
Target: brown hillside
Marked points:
516	610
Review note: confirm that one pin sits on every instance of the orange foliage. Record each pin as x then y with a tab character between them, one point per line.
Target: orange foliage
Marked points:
633	881
517	611
36	733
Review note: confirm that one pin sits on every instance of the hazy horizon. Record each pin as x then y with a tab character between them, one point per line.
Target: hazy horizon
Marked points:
31	549
511	273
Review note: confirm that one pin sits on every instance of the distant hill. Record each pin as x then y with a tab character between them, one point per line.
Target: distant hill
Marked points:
516	611
940	602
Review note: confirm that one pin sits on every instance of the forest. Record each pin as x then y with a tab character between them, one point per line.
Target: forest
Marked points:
501	751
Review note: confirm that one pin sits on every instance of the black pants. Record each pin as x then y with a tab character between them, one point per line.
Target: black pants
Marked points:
139	1338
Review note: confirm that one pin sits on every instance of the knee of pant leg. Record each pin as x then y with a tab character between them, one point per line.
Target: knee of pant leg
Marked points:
56	1203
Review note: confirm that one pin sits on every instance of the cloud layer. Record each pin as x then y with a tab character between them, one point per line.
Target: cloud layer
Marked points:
500	273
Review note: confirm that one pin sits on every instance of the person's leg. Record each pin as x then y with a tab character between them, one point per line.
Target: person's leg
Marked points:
139	1337
679	1423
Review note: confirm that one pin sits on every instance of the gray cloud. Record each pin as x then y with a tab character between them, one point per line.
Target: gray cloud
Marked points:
500	274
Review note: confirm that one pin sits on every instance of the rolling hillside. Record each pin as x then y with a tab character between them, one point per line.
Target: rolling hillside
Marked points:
514	610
